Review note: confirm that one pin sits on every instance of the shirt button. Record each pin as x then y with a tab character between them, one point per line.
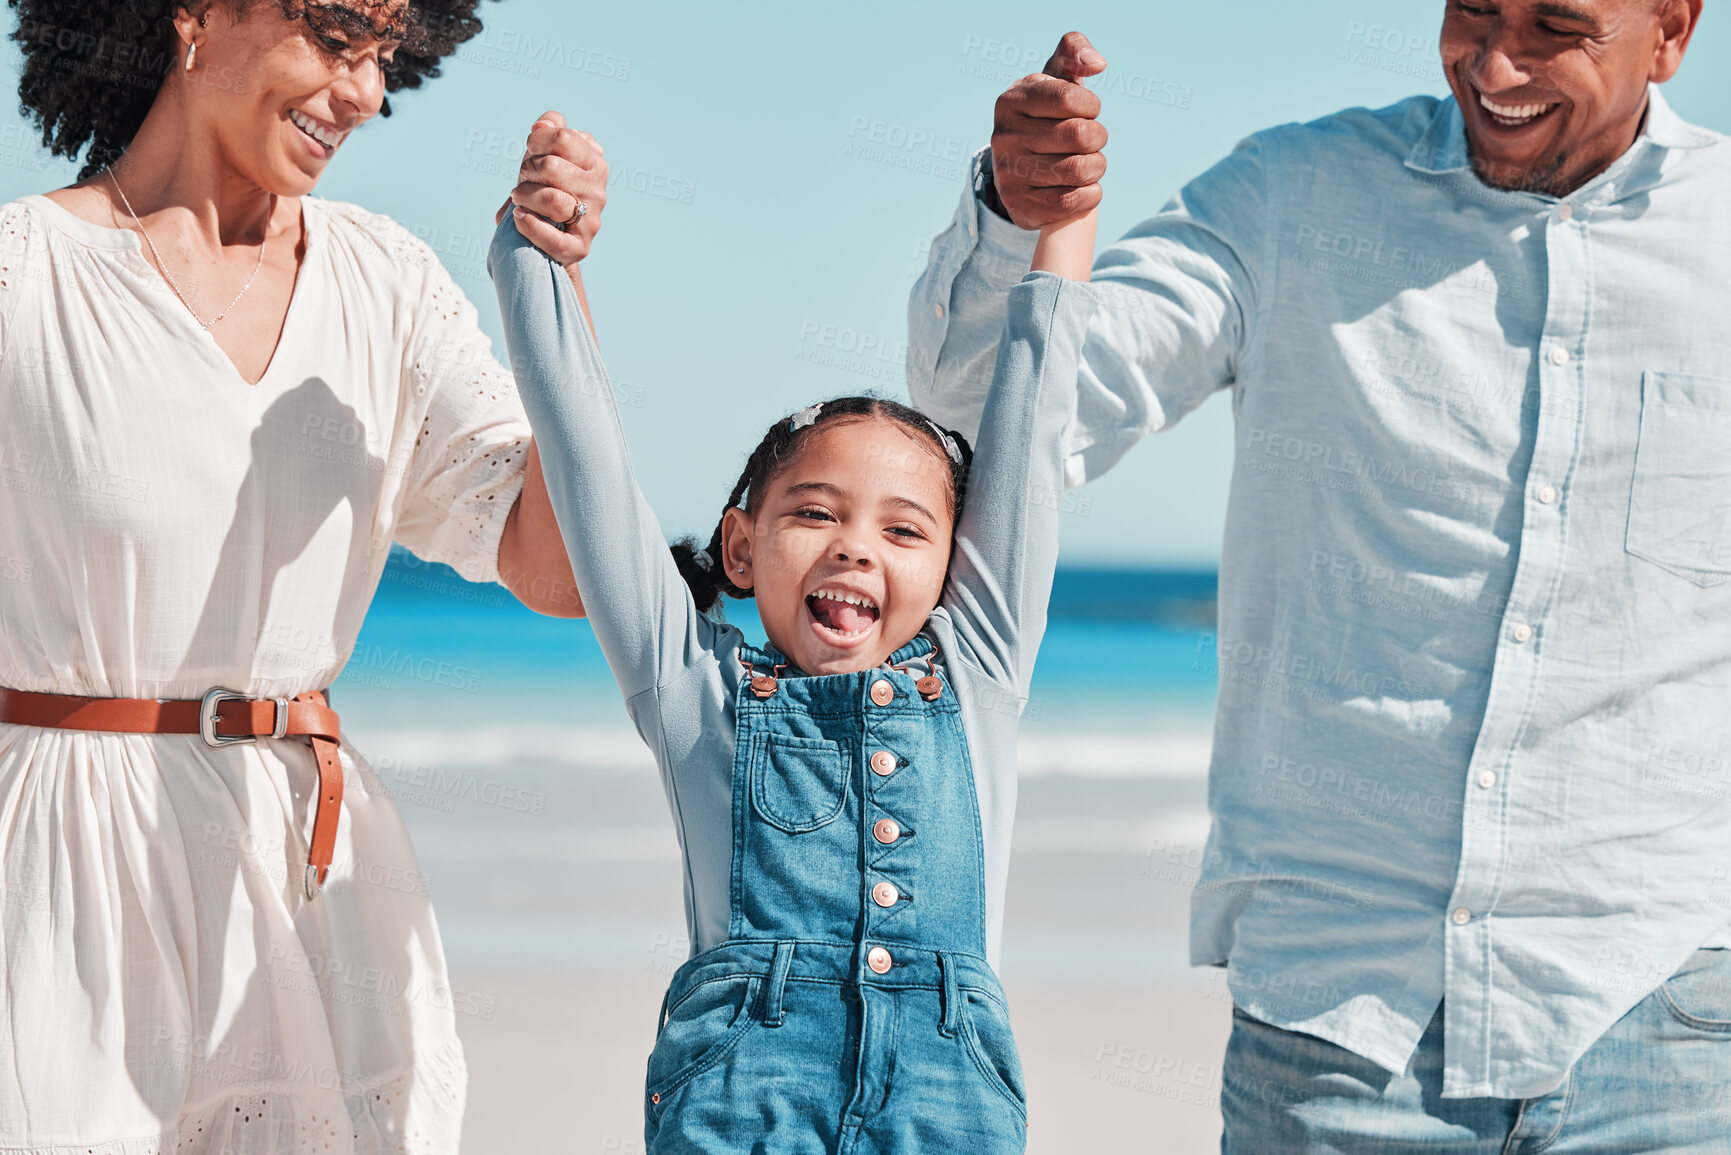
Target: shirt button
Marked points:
1523	632
886	830
1559	355
883	763
1565	211
1547	495
938	309
883	693
1487	779
973	231
878	959
1462	916
885	894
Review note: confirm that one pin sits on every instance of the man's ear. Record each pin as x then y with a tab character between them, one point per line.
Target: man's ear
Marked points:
736	547
1677	22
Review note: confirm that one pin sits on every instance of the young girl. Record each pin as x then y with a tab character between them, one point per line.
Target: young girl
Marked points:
843	792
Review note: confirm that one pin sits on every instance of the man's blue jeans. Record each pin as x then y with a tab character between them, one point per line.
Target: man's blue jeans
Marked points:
1658	1081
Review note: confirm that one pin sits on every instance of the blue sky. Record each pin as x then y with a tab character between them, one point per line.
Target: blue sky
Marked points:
779	168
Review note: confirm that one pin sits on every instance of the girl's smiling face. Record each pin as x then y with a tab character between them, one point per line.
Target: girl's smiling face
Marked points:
848	546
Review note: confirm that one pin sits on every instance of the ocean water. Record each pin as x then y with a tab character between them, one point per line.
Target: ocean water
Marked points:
1124	685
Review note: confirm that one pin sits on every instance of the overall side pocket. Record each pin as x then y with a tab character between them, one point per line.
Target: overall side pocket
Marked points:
1680	502
986	1031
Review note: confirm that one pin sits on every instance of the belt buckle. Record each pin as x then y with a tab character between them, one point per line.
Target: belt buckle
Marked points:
207	719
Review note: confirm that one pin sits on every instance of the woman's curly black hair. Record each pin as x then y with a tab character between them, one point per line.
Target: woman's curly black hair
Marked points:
93	68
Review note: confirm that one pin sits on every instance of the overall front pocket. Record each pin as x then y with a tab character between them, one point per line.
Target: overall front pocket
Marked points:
1680	503
798	784
699	1031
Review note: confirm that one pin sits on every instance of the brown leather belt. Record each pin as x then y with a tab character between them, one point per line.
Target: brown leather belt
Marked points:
220	718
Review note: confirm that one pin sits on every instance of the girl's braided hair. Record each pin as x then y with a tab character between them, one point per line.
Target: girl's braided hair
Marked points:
703	567
92	68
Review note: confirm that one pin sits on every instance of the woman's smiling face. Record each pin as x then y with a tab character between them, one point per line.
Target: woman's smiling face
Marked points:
848	546
281	95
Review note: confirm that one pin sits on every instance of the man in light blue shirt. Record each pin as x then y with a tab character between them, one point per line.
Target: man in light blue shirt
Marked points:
1470	868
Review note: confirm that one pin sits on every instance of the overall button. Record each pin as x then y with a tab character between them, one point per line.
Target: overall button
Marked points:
883	693
878	959
886	830
885	894
883	762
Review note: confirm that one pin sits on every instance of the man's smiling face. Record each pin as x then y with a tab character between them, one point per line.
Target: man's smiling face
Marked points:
1553	91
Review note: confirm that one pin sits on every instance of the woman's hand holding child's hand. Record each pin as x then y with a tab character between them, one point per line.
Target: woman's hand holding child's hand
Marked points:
561	169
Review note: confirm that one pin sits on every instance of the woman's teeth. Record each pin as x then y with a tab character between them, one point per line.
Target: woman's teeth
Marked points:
1515	113
325	136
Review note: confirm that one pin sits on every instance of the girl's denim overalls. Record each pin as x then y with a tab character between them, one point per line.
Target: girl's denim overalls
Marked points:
846	860
852	1008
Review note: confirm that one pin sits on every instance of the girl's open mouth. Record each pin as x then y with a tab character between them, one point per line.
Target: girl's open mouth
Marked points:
841	617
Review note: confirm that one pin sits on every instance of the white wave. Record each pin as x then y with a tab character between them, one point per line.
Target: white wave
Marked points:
1184	829
1092	755
1175	754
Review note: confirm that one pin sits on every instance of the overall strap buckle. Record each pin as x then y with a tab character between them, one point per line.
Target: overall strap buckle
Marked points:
931	687
765	685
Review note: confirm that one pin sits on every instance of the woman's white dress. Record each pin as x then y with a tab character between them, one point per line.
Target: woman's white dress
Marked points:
166	527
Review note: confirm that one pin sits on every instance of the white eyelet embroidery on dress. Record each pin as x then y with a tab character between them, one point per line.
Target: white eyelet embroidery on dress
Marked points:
471	441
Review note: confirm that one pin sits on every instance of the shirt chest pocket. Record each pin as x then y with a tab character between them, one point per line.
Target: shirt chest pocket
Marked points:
1680	503
799	784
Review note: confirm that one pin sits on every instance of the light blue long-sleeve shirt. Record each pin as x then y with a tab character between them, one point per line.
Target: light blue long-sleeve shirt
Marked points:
680	671
1473	740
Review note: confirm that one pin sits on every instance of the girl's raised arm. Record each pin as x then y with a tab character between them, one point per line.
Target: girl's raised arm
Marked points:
1007	539
640	607
1067	248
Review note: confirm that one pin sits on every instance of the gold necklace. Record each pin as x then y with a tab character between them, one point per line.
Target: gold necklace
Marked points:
205	325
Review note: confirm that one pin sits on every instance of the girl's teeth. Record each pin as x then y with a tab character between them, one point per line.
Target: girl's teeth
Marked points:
845	598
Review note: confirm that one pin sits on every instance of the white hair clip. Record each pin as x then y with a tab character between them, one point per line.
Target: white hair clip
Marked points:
703	560
950	446
805	417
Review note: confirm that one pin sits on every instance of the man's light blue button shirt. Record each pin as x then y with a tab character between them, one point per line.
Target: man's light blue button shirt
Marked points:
1473	742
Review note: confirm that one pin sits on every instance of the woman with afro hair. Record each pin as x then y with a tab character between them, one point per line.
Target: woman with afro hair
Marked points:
221	401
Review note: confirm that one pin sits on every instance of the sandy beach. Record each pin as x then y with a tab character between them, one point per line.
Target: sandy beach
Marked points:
562	922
